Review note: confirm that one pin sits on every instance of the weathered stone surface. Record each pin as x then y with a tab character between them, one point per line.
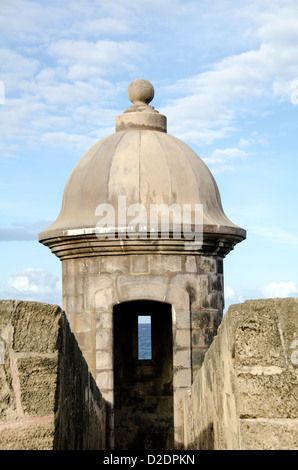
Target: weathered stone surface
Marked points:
33	436
257	339
189	283
245	394
273	434
139	264
163	264
8	409
115	264
267	393
48	398
38	382
35	327
190	264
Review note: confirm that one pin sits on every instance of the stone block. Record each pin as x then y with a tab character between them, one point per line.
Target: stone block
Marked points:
257	335
79	285
104	360
69	286
182	339
202	338
96	285
90	265
35	327
181	358
6	309
139	264
203	319
267	393
38	382
115	264
287	319
75	304
195	285
72	267
105	298
269	434
215	282
33	436
207	264
212	301
160	264
181	318
191	264
83	322
182	377
105	379
141	287
104	320
178	297
104	340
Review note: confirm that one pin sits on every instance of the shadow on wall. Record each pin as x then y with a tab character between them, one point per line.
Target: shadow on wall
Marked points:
206	439
81	412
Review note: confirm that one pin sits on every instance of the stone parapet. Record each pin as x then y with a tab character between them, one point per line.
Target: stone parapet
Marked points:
244	397
48	398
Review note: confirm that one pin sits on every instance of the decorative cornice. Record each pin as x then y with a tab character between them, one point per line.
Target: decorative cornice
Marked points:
88	244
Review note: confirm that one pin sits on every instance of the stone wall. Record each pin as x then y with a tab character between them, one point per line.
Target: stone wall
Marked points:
48	398
245	396
191	284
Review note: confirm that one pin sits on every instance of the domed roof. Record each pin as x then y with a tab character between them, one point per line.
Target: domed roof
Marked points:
144	165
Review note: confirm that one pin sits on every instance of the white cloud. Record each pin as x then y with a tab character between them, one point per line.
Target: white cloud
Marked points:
58	69
17	69
279	289
108	26
34	284
83	60
215	99
221	158
231	297
229	292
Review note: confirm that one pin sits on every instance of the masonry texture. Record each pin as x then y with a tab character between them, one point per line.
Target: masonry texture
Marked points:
245	397
191	284
48	398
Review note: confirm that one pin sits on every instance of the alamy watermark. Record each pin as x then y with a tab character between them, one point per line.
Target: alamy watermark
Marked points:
162	221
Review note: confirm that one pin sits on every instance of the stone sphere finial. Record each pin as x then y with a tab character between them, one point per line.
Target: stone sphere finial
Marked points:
140	91
141	115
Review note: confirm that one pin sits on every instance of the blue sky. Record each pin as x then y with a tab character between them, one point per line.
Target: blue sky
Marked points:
226	75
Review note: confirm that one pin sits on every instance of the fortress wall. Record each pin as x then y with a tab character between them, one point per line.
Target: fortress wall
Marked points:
48	398
245	396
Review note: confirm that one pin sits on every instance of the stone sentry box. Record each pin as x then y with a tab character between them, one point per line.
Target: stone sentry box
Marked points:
102	270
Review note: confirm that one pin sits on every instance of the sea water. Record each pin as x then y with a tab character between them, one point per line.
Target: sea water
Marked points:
144	341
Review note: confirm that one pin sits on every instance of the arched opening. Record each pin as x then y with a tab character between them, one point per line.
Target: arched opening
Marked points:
143	376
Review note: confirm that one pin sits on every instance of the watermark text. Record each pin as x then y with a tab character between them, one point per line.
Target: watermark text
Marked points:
136	221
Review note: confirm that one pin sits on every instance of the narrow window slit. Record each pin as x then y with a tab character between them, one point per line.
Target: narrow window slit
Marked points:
144	337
